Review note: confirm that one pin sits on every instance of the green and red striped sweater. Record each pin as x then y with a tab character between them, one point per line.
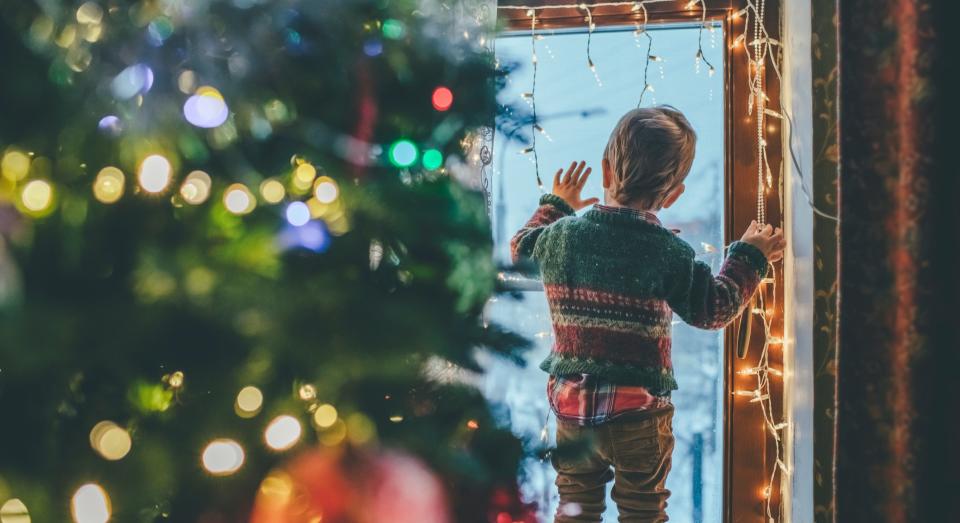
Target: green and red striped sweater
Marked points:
613	282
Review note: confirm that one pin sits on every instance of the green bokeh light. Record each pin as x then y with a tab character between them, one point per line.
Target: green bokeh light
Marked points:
403	153
432	159
393	29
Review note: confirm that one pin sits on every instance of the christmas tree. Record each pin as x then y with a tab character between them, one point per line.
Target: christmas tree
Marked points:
228	238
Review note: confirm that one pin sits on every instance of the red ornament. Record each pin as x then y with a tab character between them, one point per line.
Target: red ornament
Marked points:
442	98
351	486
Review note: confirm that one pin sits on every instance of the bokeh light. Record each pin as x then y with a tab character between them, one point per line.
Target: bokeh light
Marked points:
14	511
360	429
154	174
403	153
15	165
326	190
110	440
298	214
238	199
249	401
442	98
89	13
334	434
372	47
307	392
272	191
325	415
90	504
108	185
283	432
313	236
134	80
305	172
222	457
393	29
206	108
432	159
196	187
110	124
37	195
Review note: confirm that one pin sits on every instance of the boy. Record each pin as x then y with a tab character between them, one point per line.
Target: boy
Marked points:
613	279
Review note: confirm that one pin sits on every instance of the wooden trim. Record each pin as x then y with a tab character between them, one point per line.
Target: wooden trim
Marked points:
749	452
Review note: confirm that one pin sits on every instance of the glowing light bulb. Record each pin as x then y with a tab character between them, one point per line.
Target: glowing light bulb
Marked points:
90	504
298	214
206	108
154	174
307	392
15	165
305	173
272	191
325	416
111	441
238	199
89	13
403	153
108	186
249	401
433	159
14	511
442	98
283	432
37	195
222	457
326	190
196	187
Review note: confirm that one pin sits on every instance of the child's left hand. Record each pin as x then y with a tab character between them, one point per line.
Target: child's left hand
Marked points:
571	184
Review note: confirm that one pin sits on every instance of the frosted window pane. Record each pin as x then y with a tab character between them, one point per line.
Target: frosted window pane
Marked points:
578	115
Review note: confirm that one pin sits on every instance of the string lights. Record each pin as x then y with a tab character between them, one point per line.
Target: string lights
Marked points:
758	46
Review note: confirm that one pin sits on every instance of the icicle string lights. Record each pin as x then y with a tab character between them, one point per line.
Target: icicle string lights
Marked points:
758	50
534	125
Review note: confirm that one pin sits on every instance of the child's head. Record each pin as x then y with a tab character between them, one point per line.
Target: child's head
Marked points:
648	156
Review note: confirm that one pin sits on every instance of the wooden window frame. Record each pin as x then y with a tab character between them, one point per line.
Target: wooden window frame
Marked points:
749	453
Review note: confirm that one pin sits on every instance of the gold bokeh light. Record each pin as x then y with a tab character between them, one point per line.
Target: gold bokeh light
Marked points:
283	432
154	173
238	199
108	186
222	457
90	504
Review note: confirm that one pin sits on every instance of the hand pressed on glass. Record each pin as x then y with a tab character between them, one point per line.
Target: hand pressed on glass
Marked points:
767	239
570	185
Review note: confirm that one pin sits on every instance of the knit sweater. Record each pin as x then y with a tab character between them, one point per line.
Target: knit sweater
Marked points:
613	282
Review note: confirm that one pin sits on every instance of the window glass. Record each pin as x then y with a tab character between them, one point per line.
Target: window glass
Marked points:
577	114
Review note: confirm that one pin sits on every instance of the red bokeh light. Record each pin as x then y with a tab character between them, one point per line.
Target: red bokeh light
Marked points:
442	98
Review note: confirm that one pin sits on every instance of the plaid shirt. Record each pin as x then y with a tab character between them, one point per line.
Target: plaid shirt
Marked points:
586	400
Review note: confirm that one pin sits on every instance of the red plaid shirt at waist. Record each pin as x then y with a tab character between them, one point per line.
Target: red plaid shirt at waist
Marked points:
587	400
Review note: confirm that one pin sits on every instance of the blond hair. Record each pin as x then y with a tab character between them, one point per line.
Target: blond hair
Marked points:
650	152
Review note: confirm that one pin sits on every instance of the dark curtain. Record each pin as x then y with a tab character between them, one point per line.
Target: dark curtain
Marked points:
898	419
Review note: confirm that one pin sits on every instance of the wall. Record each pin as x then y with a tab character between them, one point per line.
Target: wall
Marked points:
799	260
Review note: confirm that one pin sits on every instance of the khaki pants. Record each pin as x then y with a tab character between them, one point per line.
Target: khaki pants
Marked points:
633	450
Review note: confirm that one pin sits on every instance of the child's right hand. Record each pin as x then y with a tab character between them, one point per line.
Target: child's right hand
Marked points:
770	241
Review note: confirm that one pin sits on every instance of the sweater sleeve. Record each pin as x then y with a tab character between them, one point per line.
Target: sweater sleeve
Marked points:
712	302
551	209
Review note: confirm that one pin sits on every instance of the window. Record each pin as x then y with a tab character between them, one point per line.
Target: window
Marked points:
577	115
724	456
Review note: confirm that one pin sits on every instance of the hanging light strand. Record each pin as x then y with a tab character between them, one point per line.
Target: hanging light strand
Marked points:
590	27
534	125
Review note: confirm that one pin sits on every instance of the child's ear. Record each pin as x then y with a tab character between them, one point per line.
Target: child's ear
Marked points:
607	173
674	195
